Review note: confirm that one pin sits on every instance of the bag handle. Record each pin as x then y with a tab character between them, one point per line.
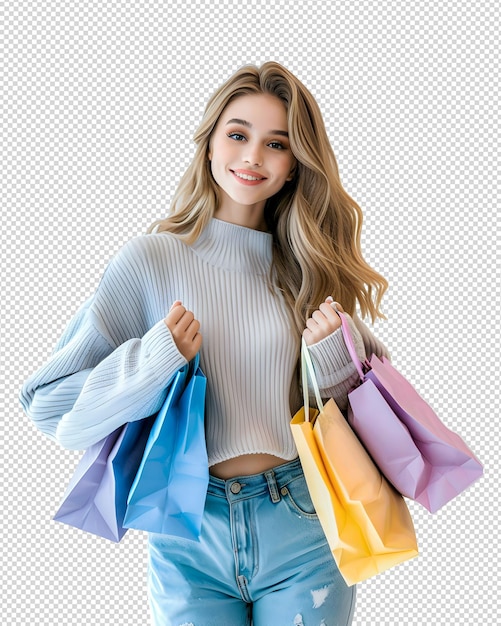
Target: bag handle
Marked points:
307	371
348	339
194	363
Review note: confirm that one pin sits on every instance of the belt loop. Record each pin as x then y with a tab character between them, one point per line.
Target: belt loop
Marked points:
272	486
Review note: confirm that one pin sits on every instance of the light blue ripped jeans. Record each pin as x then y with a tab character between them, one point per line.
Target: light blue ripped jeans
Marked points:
262	560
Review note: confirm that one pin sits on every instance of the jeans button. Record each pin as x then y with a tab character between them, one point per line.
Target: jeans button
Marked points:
235	488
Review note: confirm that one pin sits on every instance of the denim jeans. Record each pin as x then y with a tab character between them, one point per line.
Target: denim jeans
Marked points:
262	560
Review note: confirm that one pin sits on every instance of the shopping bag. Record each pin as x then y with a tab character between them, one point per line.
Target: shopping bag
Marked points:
96	497
169	491
416	452
365	520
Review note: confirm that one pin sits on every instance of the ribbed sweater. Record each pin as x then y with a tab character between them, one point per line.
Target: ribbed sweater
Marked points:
115	360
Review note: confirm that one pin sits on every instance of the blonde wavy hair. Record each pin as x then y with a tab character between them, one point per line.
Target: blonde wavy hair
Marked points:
316	225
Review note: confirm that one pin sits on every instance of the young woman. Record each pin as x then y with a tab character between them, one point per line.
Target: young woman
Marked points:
260	239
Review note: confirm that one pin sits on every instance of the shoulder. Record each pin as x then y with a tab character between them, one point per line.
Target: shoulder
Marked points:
122	304
147	247
141	265
147	252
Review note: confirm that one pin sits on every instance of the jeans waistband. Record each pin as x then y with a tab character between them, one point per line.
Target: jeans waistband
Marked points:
244	487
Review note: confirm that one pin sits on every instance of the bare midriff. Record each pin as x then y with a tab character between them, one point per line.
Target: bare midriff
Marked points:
246	465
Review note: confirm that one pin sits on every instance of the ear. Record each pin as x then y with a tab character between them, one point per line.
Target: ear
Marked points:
292	173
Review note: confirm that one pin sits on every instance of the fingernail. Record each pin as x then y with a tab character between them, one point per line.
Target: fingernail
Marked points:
329	299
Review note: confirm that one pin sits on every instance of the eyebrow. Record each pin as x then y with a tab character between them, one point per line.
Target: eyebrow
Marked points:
236	120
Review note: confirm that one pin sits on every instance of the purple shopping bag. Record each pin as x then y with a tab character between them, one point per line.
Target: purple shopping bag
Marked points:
416	452
96	497
77	507
170	488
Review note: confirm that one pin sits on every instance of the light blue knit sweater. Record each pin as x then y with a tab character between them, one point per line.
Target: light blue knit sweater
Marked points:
116	358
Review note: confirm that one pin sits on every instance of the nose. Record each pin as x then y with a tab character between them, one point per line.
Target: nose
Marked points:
253	155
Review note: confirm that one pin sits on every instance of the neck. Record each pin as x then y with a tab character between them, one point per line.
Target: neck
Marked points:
235	248
246	216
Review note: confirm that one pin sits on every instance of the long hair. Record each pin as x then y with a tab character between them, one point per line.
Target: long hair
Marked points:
316	225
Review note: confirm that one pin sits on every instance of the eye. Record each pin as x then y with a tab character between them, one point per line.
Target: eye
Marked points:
276	145
236	136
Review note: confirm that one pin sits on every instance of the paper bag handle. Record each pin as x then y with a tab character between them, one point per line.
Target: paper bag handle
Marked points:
307	371
348	339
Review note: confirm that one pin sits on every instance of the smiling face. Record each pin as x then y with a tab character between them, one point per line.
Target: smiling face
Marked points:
250	155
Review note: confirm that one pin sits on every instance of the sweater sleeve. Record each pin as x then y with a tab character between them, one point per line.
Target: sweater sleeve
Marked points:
109	367
336	373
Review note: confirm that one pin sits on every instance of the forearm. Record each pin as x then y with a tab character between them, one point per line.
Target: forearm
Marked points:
335	371
129	385
87	389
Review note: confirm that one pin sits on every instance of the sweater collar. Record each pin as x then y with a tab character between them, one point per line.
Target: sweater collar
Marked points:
235	248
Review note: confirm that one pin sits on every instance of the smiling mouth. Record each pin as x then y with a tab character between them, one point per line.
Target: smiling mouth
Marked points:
248	177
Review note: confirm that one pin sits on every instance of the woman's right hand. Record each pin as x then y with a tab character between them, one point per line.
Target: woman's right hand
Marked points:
184	329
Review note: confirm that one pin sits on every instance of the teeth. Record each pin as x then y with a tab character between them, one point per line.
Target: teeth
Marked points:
247	177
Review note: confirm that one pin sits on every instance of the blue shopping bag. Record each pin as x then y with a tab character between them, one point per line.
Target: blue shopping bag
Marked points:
169	491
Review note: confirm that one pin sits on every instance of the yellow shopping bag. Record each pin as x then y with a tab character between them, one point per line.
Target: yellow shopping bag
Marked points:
366	521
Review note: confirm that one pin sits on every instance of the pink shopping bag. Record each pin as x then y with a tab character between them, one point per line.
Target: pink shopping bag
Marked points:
416	452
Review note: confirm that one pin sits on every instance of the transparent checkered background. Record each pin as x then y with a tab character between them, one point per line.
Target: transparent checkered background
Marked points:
98	104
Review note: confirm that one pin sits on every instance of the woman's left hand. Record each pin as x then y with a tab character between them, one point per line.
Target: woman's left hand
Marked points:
323	322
